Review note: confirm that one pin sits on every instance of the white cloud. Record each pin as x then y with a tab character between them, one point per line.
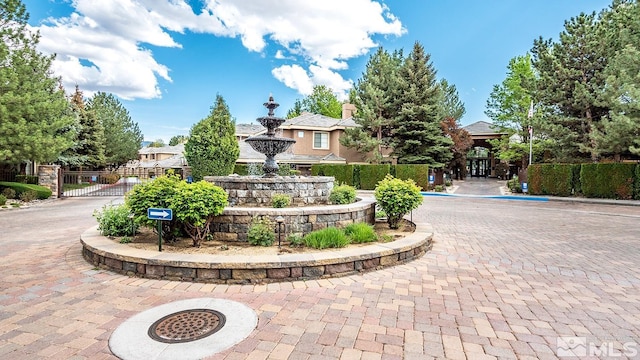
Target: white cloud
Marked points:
295	77
101	46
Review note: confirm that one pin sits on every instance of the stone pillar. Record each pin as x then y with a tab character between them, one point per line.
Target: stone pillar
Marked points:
48	177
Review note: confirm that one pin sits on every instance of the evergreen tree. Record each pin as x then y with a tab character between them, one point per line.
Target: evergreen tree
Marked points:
212	148
296	110
122	136
90	141
35	121
417	136
571	77
619	131
452	106
376	102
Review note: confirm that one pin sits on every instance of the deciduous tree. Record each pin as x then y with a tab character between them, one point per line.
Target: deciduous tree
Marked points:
321	101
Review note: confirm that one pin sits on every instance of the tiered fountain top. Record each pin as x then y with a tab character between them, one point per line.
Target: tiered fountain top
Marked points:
270	144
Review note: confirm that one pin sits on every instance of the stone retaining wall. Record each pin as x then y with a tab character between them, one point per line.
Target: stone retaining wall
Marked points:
234	222
48	177
257	191
107	254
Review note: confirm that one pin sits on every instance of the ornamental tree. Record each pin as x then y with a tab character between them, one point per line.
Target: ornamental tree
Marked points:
212	148
195	205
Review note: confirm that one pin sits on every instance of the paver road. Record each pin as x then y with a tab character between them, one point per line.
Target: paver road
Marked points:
504	280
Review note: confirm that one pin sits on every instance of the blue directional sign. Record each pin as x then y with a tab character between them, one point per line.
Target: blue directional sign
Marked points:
525	187
159	214
432	179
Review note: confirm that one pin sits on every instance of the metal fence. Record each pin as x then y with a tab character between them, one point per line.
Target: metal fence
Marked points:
8	175
96	183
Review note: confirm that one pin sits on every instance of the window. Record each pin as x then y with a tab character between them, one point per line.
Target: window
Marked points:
300	134
320	140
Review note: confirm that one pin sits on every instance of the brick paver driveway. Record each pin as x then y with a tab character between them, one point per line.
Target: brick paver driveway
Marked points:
504	280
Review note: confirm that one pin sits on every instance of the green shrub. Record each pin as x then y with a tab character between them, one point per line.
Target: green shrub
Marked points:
125	240
330	237
3	200
28	196
360	233
114	221
438	188
370	175
280	200
295	240
417	172
42	192
241	169
551	179
27	179
397	197
317	170
9	193
381	214
514	185
261	232
195	205
342	194
155	194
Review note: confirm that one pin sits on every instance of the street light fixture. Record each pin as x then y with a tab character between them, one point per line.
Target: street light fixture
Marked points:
280	221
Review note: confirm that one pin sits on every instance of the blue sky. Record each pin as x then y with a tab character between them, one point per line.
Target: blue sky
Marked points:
167	60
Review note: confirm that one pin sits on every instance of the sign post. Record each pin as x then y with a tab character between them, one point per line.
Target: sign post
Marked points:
160	215
525	187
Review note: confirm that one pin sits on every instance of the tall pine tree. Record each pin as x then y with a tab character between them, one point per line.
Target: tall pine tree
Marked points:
122	136
571	80
376	102
212	148
417	136
35	121
89	150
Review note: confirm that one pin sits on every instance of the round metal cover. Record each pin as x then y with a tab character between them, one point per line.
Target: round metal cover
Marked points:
187	325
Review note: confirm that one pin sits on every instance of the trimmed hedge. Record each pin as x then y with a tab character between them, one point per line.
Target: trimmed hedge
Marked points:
556	179
534	179
637	184
41	191
609	181
241	169
419	174
342	173
370	175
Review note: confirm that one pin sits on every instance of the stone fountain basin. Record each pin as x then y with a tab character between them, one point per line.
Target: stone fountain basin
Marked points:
272	145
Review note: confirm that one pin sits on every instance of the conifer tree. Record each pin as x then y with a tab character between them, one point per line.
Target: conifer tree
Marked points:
122	136
571	78
417	136
212	148
35	121
90	142
375	98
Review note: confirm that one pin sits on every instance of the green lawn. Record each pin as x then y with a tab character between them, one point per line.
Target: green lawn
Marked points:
66	187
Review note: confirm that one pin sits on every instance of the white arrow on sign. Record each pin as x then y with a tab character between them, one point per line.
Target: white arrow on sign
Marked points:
159	213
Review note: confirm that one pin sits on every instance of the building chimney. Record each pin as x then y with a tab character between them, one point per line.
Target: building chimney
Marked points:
348	110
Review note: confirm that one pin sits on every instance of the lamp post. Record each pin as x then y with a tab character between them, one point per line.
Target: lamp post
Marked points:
280	221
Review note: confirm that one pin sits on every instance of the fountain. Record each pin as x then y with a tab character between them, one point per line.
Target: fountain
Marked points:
270	144
250	197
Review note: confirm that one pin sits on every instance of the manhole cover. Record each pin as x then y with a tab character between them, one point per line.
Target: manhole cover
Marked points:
187	325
